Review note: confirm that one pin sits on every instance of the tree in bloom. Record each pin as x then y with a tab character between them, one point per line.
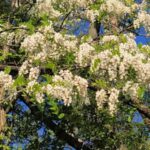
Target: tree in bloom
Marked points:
81	90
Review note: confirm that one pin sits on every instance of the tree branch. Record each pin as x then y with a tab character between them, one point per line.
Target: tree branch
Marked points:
143	109
59	132
13	28
13	68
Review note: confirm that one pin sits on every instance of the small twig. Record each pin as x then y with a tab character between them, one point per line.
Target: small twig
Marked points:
129	28
15	68
13	28
64	19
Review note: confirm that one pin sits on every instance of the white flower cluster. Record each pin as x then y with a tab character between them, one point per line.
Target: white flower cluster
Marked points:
35	45
32	43
135	61
28	69
82	86
39	97
60	92
68	41
34	73
10	38
143	18
30	86
117	66
3	36
7	91
80	3
131	89
101	98
24	69
80	83
108	38
105	63
91	14
113	100
50	44
110	97
63	87
31	89
47	7
115	6
83	57
6	80
130	46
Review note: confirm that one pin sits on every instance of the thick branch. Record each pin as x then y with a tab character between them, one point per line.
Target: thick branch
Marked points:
143	109
59	132
13	68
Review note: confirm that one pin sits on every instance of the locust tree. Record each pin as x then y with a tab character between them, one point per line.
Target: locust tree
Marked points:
82	90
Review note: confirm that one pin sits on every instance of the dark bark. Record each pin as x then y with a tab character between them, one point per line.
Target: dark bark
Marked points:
143	109
59	132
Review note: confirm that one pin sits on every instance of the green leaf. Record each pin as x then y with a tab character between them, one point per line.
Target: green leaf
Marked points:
96	63
100	83
48	78
61	115
2	58
69	59
30	26
115	51
7	69
123	38
141	92
51	65
53	107
120	84
129	119
140	45
20	81
44	20
132	74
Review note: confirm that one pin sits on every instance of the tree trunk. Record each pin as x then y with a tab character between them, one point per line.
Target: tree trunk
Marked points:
2	119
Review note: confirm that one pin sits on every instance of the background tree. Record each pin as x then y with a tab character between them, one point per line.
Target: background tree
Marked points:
61	87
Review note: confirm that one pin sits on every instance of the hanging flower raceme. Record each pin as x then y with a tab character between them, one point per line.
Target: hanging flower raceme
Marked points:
66	86
7	90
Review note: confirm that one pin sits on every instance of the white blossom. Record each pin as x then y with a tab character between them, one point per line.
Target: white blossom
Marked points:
92	15
61	93
7	89
109	38
115	6
47	7
101	98
104	63
39	97
34	73
113	100
131	89
63	87
24	68
30	86
6	80
84	55
143	18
